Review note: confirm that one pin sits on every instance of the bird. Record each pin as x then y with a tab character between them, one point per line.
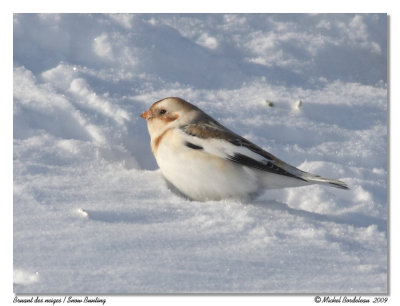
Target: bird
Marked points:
205	161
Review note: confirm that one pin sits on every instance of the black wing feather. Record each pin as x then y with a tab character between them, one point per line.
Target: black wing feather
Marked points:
193	146
267	166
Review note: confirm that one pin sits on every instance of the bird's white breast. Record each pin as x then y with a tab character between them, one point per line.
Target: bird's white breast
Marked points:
202	176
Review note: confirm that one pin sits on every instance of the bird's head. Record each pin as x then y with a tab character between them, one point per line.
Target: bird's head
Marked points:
169	113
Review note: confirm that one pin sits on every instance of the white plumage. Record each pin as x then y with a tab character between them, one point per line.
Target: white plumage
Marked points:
206	161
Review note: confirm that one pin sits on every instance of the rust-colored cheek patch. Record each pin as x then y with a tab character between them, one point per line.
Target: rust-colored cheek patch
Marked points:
169	118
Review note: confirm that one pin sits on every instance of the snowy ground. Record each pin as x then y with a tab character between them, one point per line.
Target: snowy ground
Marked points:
92	213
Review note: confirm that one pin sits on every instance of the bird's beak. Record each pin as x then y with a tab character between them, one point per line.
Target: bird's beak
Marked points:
146	115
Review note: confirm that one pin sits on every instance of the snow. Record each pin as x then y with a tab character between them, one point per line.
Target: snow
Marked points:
92	213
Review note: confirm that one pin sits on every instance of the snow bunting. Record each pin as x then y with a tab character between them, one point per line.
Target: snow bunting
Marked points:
206	161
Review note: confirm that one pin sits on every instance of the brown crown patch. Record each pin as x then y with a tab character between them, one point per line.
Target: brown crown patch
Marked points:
184	104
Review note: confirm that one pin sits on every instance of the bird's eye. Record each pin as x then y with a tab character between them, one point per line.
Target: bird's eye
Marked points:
162	112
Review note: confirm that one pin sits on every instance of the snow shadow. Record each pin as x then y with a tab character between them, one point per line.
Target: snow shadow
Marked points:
352	219
136	217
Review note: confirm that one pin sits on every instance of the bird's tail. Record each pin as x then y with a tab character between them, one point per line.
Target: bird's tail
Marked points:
316	179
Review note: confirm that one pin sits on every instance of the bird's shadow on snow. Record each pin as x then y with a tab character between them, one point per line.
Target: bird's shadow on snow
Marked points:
352	219
170	215
150	216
